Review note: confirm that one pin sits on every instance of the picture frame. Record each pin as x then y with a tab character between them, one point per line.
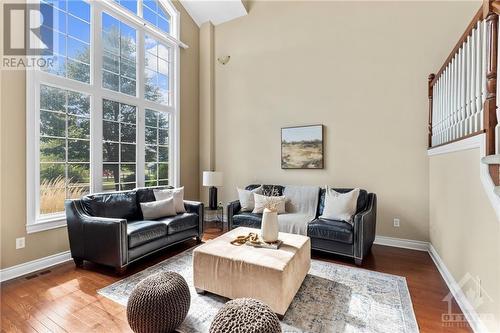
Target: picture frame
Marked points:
302	147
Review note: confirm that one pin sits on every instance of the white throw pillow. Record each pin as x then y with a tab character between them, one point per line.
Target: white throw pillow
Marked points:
263	201
157	209
176	193
340	206
246	198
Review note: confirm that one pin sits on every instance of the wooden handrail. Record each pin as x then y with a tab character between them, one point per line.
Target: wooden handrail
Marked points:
495	6
468	31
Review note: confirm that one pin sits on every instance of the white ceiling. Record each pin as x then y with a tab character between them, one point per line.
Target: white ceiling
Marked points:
217	12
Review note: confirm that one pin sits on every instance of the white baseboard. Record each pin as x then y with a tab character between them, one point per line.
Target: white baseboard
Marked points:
470	313
35	265
402	243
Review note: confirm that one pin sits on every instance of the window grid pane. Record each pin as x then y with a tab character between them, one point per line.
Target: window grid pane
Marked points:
128	4
64	159
119	146
156	73
154	13
119	58
71	38
156	149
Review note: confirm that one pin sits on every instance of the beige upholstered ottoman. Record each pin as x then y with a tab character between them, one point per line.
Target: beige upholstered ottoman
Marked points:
272	276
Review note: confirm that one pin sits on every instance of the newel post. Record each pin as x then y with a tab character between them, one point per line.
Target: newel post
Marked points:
430	95
490	117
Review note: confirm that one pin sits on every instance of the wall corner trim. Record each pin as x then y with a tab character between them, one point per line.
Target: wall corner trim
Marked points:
34	265
477	141
470	313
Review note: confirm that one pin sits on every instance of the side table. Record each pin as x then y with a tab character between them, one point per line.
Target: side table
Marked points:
214	216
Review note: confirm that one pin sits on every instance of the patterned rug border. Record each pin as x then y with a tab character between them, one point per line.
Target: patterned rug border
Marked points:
403	290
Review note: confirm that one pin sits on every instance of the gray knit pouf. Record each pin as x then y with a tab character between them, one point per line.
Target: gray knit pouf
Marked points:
159	303
245	315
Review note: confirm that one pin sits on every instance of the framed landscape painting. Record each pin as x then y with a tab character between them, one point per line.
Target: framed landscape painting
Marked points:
302	147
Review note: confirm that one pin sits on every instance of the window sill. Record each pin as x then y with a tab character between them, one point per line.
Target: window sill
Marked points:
53	222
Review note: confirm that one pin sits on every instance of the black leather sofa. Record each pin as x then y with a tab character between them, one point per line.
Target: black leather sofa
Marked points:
109	229
338	237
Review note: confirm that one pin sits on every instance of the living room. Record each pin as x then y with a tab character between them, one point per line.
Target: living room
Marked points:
250	166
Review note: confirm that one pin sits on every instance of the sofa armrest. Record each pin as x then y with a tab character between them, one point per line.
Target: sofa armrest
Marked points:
197	208
98	239
364	228
232	209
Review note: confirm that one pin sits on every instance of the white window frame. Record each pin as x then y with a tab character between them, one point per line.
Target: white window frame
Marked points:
35	78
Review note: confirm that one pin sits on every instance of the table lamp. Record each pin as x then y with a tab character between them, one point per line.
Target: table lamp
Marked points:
212	179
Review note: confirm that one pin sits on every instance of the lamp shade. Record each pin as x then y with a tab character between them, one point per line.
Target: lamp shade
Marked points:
212	178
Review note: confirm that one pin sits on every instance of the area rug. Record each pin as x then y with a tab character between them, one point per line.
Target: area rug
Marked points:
332	298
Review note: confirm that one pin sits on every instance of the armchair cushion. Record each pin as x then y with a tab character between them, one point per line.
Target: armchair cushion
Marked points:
180	222
141	232
339	231
113	205
360	204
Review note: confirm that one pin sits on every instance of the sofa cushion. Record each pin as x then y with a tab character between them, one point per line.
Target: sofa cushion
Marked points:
141	232
121	205
176	193
247	201
360	205
339	231
146	194
275	190
157	209
247	219
180	222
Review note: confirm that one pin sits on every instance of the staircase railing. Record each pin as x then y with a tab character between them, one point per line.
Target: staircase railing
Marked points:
463	93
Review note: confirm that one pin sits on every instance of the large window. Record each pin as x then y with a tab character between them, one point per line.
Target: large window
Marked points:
104	117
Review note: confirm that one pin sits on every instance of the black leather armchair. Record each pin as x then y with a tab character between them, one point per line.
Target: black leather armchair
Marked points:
109	229
352	240
338	237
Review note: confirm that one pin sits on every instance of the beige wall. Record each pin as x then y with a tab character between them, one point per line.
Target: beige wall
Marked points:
190	103
359	68
207	86
464	229
13	160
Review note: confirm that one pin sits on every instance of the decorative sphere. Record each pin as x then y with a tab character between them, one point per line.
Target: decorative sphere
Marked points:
245	315
159	303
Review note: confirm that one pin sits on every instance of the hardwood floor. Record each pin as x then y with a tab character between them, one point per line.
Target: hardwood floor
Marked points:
65	299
